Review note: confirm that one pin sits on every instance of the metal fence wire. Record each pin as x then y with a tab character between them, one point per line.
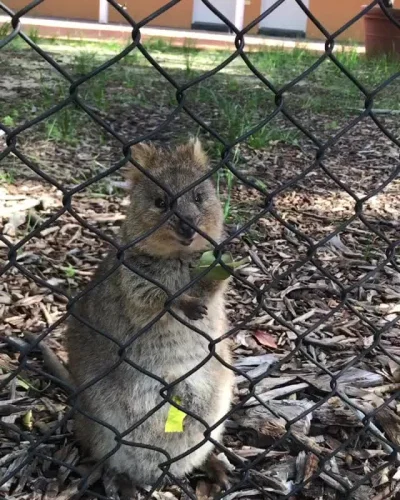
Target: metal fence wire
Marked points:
340	471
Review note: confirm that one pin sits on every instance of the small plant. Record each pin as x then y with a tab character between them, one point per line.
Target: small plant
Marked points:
4	30
69	271
62	127
84	63
269	135
230	179
34	35
158	44
188	54
226	177
260	184
8	121
7	178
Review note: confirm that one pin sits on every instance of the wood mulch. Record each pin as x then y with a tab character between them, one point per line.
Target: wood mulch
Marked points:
327	335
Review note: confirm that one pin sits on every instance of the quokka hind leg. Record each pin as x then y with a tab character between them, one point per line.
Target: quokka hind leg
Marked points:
216	479
216	471
118	486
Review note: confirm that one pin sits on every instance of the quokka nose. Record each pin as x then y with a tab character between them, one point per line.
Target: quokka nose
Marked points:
185	230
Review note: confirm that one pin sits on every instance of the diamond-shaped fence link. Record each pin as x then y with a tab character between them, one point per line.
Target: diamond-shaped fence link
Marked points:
278	456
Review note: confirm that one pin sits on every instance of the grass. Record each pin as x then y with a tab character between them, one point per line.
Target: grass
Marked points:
4	30
61	128
7	178
226	178
232	102
34	35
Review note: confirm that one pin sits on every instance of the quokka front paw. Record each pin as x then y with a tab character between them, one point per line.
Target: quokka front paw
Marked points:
194	309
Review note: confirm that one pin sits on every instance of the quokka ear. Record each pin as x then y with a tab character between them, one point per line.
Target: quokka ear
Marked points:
193	151
198	152
143	154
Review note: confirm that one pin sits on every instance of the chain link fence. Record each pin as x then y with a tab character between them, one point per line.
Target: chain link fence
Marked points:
323	432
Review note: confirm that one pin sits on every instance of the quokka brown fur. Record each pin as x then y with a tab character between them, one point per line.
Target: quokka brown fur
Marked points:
124	303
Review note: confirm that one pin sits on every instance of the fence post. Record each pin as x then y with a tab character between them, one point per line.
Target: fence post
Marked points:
239	14
103	11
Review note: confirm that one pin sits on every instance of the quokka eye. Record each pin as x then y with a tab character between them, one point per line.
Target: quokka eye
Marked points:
160	203
198	197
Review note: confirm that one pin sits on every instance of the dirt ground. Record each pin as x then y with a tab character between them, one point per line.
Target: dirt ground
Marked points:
324	347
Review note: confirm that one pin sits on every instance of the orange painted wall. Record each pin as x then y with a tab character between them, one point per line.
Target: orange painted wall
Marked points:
333	15
252	9
63	9
178	16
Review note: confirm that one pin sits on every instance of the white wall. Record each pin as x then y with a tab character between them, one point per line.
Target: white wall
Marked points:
202	14
288	16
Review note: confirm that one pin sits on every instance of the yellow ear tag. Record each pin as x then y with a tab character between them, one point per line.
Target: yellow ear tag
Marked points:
175	418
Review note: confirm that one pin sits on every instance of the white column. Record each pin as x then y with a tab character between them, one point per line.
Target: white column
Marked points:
239	14
103	11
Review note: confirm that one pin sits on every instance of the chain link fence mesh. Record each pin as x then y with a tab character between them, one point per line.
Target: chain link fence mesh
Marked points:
292	462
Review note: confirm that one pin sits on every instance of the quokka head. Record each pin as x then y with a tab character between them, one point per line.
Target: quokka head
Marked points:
177	218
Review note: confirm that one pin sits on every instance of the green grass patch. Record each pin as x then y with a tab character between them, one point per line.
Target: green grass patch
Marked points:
7	178
233	101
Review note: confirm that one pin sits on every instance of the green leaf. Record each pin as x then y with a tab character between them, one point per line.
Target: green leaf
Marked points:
22	383
218	272
27	420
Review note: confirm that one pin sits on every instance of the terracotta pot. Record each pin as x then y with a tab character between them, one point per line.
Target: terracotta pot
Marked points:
382	36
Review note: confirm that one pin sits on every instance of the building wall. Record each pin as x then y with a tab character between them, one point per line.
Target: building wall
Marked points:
288	17
87	10
252	9
202	14
178	16
333	15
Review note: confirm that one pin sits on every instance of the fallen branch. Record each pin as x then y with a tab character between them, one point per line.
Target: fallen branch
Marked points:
51	360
